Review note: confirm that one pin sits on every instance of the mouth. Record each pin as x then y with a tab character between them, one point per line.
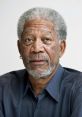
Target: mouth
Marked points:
38	62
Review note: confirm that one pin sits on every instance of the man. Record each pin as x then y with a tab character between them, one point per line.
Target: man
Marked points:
44	88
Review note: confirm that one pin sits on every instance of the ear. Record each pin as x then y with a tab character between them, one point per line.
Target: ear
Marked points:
18	45
62	47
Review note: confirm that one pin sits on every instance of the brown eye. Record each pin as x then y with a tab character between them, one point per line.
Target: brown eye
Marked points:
47	40
28	40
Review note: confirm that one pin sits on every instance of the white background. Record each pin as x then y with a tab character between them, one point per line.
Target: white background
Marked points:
10	10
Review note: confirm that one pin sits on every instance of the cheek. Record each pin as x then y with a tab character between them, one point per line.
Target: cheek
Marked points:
24	52
53	53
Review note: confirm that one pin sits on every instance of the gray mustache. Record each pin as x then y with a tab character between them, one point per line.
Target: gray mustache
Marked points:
38	57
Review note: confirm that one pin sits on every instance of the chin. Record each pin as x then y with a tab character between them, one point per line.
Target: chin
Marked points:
38	74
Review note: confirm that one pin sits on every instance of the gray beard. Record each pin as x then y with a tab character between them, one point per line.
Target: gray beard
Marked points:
40	74
43	74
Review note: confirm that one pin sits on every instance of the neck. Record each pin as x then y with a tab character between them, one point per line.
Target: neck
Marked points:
39	84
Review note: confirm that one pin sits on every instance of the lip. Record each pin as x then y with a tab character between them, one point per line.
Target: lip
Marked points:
37	62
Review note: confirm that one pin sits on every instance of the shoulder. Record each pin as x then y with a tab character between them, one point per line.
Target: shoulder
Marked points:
13	75
72	78
72	73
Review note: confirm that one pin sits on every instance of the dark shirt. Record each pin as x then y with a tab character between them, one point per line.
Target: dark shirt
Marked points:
62	97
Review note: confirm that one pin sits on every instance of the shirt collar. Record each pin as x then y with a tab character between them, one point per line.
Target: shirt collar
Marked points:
53	86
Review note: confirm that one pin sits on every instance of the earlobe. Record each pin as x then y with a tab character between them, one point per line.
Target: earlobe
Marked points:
62	47
18	45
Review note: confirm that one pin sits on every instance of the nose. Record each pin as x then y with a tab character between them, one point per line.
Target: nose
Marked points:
37	46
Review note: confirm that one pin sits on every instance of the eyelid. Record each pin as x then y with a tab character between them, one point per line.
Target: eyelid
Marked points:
47	40
29	38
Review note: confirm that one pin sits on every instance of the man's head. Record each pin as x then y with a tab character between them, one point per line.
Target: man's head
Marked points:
46	14
42	34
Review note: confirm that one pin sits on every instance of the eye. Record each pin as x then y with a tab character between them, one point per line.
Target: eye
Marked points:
28	40
47	40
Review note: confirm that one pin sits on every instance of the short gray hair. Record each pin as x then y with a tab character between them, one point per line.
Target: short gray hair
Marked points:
46	14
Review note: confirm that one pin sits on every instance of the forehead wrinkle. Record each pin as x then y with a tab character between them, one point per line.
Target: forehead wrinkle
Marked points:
39	23
43	30
31	31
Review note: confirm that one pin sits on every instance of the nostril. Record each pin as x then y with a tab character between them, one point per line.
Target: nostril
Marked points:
37	47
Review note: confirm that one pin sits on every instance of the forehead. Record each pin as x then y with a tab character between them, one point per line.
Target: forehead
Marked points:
39	24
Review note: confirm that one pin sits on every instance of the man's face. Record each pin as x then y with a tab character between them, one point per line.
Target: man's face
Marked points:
40	48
